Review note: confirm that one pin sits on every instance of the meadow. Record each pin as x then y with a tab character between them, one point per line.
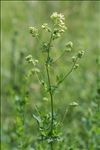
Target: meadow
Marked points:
28	121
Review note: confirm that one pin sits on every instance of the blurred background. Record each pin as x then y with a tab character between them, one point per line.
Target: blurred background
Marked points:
82	21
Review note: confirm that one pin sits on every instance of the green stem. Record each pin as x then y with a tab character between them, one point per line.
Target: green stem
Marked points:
59	57
51	96
51	146
50	90
67	74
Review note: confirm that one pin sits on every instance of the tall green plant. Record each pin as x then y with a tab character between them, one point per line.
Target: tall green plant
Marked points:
49	127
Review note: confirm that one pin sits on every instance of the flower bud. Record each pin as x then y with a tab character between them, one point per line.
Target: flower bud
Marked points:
45	27
69	44
76	66
80	54
54	16
33	31
57	35
73	58
29	58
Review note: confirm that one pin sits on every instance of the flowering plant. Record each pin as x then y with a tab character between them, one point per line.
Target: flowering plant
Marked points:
48	125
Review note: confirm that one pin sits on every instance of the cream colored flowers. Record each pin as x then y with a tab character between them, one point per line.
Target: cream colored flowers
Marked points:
33	31
59	24
45	27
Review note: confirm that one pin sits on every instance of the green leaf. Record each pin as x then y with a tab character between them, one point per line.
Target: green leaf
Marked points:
37	118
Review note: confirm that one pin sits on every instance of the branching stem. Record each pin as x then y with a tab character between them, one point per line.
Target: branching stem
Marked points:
67	74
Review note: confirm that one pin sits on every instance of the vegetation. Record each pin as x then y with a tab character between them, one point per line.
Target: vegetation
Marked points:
50	96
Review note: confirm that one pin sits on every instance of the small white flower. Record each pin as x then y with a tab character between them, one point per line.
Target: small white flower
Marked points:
44	26
54	15
33	31
69	44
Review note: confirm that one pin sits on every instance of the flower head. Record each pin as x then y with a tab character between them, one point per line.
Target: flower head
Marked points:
57	17
59	24
69	46
76	66
45	27
33	31
29	58
80	54
74	58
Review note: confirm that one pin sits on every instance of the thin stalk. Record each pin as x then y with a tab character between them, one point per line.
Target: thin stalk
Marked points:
50	91
59	57
37	77
51	97
67	74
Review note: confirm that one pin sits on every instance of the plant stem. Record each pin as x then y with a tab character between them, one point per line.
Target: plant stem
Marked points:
51	96
50	90
51	146
59	57
66	75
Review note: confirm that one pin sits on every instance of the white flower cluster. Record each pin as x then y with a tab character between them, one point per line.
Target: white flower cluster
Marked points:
78	56
33	31
45	27
69	46
30	59
59	24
